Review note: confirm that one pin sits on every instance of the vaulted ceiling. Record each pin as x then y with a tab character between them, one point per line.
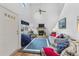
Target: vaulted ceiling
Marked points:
31	13
50	17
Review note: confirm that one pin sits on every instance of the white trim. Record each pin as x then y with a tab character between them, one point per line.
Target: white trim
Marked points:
8	10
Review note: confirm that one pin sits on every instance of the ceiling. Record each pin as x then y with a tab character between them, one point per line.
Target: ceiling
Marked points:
50	17
30	12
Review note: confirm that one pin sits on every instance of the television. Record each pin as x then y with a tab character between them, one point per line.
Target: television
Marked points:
41	25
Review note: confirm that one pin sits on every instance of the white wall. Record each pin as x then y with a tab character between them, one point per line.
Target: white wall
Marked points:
53	12
9	41
70	11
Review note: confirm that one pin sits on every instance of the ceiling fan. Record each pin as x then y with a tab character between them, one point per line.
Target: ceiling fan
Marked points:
40	11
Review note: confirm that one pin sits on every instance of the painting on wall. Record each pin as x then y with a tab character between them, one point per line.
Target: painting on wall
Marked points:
62	23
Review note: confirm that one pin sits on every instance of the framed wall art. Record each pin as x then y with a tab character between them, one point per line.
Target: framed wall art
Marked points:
62	23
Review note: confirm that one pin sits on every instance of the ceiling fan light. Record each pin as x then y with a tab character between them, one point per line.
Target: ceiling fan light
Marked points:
23	4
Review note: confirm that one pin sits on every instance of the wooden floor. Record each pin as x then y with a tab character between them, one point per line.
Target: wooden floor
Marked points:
19	53
25	54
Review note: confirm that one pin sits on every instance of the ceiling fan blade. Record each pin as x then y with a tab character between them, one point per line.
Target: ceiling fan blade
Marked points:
40	11
43	11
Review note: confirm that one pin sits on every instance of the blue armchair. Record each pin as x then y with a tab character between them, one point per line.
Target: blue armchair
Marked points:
25	39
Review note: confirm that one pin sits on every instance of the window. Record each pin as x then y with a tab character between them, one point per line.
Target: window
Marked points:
78	25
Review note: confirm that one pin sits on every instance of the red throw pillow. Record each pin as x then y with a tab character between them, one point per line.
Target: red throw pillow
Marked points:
54	35
58	37
50	52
